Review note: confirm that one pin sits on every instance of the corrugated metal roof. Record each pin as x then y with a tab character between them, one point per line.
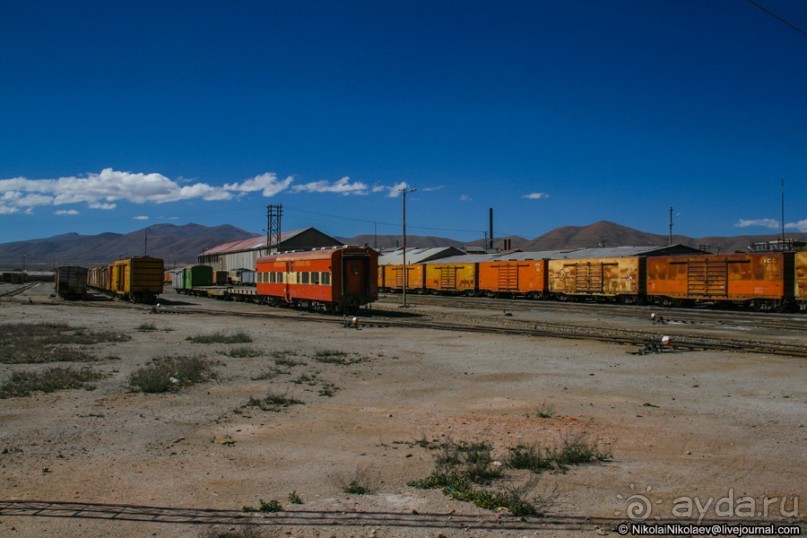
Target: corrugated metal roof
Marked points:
418	255
253	243
611	252
466	258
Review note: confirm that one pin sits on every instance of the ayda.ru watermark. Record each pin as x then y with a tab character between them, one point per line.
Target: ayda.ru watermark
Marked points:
643	506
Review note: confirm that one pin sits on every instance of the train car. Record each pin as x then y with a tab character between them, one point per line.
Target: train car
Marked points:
612	279
196	276
800	279
415	277
138	279
451	276
514	277
760	280
178	279
220	278
71	281
335	279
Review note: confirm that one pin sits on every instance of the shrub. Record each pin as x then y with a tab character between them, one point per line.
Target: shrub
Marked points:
266	507
171	374
53	379
530	457
272	402
31	343
243	352
578	449
221	338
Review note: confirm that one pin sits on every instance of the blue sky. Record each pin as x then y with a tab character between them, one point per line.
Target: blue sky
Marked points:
119	115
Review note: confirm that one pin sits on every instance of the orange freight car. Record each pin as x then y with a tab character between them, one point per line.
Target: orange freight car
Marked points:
527	277
762	280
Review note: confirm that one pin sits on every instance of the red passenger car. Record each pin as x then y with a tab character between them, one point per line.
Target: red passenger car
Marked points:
337	279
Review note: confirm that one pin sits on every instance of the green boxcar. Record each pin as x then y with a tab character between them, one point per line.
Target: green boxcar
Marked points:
196	276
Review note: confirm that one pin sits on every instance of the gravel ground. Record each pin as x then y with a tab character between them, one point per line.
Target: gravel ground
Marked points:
699	424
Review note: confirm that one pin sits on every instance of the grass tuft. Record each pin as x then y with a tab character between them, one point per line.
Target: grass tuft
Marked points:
337	357
265	507
50	380
34	343
243	352
272	402
169	374
221	337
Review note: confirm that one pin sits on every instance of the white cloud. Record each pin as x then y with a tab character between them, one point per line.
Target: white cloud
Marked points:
465	198
341	186
764	223
267	183
536	196
395	190
105	189
66	212
141	217
97	205
800	225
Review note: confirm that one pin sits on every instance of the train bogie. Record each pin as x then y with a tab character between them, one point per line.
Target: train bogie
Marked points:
620	279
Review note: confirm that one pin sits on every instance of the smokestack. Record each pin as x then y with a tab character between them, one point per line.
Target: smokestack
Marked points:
490	235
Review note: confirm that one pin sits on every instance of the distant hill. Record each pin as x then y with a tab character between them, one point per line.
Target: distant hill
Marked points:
180	245
175	244
610	234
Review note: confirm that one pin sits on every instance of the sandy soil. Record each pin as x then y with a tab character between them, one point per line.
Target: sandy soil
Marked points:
679	424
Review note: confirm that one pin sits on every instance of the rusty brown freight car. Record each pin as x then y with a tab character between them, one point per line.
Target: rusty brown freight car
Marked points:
762	280
615	279
800	284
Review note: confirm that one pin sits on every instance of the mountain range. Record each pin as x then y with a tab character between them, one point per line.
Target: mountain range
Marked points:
179	245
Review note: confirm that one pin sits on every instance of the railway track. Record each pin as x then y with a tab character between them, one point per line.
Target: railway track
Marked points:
796	322
319	518
393	318
21	289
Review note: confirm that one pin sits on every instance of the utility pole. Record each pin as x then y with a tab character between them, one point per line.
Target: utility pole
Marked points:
783	215
671	224
403	191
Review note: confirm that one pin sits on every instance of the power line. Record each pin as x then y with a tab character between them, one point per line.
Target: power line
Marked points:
777	17
370	221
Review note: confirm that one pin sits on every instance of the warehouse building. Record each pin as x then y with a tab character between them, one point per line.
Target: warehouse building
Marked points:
244	254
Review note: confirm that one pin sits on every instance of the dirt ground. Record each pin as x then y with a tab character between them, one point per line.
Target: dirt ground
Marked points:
696	425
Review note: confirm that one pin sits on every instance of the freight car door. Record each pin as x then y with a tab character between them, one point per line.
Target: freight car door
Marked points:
356	272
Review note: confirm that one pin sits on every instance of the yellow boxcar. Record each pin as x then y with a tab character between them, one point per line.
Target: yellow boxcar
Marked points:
800	284
138	279
620	279
393	277
451	277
